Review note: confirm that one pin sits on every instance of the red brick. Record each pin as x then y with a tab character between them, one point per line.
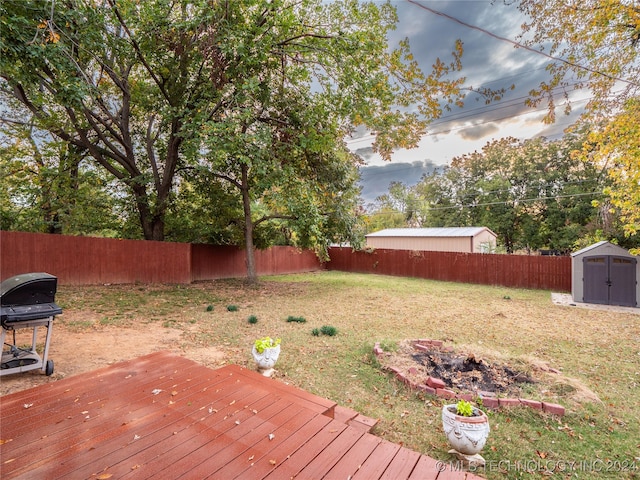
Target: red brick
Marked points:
437	343
435	382
413	370
553	408
509	402
444	393
465	396
531	403
490	402
424	348
395	370
484	394
427	389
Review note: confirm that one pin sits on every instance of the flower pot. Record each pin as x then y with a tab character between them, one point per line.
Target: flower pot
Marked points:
466	435
266	359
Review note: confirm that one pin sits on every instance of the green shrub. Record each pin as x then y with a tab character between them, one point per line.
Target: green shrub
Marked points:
209	308
232	308
315	332
291	318
252	319
329	330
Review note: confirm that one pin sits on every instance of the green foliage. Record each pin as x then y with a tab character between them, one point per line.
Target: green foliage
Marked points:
252	319
464	408
209	308
233	112
291	318
266	342
232	308
329	330
533	194
315	332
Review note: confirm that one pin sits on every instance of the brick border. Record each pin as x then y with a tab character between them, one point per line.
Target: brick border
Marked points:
436	386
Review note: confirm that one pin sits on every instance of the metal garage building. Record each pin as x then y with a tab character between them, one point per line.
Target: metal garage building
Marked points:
453	239
605	273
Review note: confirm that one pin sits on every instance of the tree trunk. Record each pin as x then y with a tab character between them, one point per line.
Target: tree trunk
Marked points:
252	276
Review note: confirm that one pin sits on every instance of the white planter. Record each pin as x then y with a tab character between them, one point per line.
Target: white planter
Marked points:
266	360
466	435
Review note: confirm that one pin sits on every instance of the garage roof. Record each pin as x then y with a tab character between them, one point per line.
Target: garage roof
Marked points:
430	232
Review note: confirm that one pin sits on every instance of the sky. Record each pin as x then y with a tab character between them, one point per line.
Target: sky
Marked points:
488	62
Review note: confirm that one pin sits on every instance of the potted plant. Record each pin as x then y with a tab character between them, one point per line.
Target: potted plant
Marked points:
466	427
265	352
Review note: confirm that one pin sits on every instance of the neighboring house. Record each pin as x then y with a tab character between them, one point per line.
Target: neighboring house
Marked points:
452	239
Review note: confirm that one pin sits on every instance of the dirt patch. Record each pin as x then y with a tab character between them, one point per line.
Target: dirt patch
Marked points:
76	350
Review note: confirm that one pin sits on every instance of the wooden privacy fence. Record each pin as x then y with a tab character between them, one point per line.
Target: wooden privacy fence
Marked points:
520	271
90	260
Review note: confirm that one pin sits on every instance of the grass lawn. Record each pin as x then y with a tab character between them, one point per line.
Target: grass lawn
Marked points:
597	352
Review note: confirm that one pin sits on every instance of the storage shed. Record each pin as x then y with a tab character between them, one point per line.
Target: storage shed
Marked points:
606	274
452	239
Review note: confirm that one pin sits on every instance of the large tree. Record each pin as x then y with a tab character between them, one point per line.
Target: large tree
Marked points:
256	93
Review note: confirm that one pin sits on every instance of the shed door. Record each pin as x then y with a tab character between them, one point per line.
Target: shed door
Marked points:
622	272
609	280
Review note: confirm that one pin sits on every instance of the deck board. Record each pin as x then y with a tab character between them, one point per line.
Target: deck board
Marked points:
164	416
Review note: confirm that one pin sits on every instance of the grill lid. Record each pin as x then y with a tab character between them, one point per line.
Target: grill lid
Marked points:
28	289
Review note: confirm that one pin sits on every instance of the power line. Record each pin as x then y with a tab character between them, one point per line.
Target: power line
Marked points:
520	45
370	137
487	204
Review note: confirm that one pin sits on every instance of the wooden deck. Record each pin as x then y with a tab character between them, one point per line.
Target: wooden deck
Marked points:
163	416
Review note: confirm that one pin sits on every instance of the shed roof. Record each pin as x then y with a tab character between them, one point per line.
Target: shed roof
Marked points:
430	232
620	250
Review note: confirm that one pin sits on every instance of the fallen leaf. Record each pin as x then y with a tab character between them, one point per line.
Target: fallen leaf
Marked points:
2	442
541	454
272	462
174	393
271	436
104	476
251	458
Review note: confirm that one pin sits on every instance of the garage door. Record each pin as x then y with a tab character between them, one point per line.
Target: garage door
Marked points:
610	280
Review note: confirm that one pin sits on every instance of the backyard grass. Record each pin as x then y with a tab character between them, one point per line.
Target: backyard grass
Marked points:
597	353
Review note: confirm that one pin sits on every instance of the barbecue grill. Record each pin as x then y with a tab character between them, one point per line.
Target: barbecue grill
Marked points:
27	301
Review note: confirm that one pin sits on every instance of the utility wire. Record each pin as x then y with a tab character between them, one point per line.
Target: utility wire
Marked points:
487	204
520	45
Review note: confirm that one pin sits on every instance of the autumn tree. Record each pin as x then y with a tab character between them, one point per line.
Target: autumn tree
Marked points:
592	44
595	45
615	146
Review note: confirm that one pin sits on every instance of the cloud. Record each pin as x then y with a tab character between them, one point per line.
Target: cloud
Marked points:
488	62
479	131
375	180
